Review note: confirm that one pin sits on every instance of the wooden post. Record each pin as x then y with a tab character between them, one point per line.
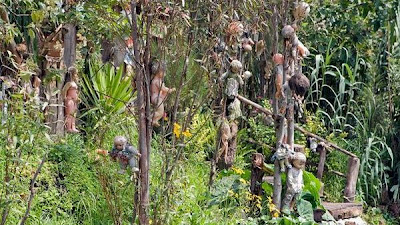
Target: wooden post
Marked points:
351	180
257	174
277	185
322	158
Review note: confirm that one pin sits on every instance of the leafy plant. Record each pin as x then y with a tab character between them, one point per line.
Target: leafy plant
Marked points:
104	92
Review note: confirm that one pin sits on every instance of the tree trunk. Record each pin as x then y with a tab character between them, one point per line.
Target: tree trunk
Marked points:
69	45
142	106
69	58
52	109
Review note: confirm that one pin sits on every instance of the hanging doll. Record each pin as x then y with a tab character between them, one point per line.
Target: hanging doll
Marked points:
158	91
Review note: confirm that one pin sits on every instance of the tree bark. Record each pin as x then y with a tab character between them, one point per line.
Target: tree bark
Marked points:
52	109
143	122
69	45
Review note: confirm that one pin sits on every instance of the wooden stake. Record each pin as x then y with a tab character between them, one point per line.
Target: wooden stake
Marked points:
321	164
351	182
277	185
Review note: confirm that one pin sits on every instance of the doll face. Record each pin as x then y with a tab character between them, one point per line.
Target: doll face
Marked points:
119	146
299	164
119	142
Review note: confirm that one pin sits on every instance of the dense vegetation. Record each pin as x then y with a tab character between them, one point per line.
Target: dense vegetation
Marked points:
354	101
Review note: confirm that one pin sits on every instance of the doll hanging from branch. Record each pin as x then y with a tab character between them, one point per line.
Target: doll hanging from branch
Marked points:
159	91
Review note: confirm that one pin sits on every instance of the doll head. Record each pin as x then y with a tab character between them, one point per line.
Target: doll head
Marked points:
120	142
299	160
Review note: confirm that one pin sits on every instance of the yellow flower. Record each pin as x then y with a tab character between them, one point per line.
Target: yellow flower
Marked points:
249	196
258	205
231	193
187	133
269	199
243	181
177	130
237	170
275	214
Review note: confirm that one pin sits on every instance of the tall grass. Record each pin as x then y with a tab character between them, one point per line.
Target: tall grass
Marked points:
350	107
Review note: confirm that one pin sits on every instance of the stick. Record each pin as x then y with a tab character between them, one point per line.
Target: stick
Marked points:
32	191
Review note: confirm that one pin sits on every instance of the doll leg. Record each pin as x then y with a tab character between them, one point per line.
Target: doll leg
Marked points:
158	113
287	202
288	165
133	164
70	107
282	165
122	166
73	125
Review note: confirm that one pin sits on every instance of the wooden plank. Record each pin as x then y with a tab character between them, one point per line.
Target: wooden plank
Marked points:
343	210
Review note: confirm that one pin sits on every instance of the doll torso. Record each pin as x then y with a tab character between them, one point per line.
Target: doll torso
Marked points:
157	93
72	92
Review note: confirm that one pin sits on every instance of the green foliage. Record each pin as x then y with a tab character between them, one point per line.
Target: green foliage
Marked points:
305	209
378	216
105	92
205	134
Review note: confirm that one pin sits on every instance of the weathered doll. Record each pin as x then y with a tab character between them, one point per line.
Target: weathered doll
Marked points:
294	181
283	154
159	92
70	94
278	60
225	132
125	153
247	43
